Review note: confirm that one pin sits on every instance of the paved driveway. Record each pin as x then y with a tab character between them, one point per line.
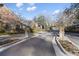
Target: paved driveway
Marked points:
32	47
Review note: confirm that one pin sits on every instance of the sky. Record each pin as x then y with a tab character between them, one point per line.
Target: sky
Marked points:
30	10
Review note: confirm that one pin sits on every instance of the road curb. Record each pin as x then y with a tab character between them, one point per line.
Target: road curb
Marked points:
4	36
63	50
57	49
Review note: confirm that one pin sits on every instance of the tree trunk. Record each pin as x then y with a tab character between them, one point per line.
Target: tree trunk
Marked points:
61	33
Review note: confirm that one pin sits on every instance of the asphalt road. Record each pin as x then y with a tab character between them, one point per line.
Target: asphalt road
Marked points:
33	47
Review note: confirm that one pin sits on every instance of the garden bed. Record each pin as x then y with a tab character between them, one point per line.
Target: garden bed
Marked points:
7	42
69	47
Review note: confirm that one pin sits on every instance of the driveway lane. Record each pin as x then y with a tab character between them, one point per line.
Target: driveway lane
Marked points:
32	47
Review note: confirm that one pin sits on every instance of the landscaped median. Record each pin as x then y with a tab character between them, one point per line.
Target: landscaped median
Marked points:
8	42
67	47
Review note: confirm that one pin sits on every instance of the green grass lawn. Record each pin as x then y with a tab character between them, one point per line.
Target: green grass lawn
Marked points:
37	30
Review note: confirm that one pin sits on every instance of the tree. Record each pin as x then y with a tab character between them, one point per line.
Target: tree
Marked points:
75	6
42	20
7	27
1	5
1	27
67	18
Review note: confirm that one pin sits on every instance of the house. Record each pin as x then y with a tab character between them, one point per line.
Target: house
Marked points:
37	25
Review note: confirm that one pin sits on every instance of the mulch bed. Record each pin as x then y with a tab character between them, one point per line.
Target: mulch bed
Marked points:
68	46
7	42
